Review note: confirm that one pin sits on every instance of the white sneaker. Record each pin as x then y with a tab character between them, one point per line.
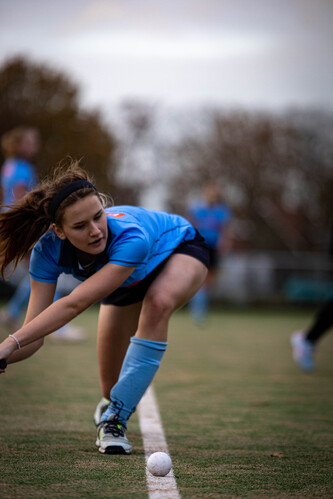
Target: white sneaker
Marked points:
111	437
102	405
68	334
303	351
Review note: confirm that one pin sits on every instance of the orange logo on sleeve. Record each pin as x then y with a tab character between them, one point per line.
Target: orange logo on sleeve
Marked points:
116	215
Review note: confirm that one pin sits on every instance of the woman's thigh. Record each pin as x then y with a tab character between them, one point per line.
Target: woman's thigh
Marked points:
179	280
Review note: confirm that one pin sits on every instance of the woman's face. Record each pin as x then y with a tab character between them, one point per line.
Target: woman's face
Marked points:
84	225
29	145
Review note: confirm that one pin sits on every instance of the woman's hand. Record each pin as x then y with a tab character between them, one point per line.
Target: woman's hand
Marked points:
7	347
3	365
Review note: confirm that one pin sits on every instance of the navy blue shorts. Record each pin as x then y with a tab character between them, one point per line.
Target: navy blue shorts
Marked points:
214	258
134	294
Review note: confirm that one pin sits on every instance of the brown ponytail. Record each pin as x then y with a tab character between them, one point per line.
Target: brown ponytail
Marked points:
21	226
28	219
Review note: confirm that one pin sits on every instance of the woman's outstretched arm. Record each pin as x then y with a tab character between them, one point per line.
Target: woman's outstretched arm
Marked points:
59	313
41	297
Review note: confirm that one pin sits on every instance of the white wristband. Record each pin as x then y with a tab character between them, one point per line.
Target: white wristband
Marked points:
17	341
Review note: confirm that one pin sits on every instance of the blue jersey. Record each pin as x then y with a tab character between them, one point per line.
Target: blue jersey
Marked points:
136	237
209	220
16	172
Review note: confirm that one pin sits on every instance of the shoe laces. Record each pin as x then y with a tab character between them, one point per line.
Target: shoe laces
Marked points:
114	427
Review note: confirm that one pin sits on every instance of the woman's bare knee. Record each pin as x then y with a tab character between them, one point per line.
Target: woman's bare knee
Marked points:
159	305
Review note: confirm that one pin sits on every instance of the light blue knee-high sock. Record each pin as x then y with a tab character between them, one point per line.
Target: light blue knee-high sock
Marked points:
140	365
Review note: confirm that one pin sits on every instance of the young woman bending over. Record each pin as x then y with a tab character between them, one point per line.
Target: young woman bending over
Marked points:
141	265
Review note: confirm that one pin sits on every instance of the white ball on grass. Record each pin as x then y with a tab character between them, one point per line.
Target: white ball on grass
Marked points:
159	464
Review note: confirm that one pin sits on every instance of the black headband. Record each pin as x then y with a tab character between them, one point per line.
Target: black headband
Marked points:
65	192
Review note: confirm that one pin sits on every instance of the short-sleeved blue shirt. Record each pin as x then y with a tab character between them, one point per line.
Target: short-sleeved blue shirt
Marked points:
15	172
209	220
136	237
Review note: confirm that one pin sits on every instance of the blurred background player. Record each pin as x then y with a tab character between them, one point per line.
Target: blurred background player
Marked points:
18	176
304	342
211	217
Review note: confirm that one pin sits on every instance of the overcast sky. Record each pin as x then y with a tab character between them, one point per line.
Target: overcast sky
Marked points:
253	53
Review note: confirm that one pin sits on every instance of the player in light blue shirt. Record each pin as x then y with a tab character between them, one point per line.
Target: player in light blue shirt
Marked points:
141	265
211	217
18	176
136	237
210	220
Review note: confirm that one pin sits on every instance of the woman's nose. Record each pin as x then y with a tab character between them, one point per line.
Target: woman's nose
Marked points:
94	229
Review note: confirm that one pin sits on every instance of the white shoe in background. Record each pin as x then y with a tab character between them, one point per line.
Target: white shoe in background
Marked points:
303	351
68	334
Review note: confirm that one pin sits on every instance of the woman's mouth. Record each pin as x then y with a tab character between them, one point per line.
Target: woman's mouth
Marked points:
96	242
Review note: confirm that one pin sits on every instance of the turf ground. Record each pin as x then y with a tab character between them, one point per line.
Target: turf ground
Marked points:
240	419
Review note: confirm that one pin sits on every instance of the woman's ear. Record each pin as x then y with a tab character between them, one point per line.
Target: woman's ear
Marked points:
59	232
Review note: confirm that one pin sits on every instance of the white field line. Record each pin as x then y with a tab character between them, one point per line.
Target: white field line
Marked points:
154	441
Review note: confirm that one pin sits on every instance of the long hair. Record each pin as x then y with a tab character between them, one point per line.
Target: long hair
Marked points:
22	225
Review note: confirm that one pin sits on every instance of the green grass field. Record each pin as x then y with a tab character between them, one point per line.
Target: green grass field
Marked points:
241	420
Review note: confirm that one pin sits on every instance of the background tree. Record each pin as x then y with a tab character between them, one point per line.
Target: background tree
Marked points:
36	95
275	171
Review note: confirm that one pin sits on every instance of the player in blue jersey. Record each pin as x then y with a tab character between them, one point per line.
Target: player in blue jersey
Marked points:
18	176
304	342
211	217
141	265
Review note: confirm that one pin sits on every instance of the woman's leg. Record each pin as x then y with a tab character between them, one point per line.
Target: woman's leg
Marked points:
180	279
175	285
115	327
321	324
304	342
